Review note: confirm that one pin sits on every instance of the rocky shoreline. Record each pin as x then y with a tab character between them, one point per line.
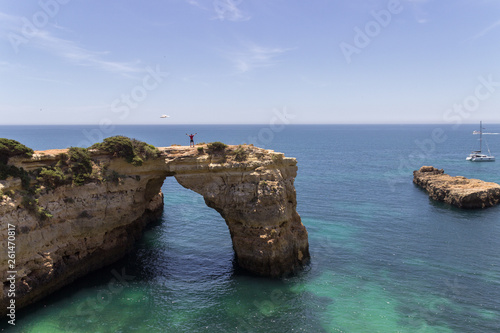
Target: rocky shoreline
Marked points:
457	191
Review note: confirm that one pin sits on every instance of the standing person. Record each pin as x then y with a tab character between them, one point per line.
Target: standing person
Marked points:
191	141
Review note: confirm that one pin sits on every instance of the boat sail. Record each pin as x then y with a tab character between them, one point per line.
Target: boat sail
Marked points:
477	155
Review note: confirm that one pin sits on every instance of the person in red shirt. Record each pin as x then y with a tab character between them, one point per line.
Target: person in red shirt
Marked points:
191	136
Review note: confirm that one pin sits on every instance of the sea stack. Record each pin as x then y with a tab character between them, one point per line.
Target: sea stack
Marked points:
457	191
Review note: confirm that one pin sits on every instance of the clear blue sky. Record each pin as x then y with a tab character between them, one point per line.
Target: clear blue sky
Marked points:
238	61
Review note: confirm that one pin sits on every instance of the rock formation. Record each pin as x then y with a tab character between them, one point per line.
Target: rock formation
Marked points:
95	224
458	191
257	199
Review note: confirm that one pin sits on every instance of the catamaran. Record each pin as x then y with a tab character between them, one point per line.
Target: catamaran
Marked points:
477	155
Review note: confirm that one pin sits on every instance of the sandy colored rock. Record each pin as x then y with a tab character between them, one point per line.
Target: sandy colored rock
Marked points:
96	224
458	191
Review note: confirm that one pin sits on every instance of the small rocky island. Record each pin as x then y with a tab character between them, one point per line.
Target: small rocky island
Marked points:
72	211
457	191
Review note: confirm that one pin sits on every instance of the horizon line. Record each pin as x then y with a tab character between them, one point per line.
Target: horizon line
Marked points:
243	124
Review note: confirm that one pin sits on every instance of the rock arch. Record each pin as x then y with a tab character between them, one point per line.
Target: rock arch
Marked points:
96	224
257	199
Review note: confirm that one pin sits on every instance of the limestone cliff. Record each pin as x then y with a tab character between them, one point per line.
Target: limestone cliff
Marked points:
458	191
92	225
95	224
257	199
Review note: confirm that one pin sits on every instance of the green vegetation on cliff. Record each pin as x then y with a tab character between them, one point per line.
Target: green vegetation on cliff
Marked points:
81	165
134	151
31	205
74	168
51	177
10	148
216	147
12	171
240	154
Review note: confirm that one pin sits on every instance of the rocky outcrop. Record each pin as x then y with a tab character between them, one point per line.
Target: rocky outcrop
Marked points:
458	191
95	224
256	197
92	225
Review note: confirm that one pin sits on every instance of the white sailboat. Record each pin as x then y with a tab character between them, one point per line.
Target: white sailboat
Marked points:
477	155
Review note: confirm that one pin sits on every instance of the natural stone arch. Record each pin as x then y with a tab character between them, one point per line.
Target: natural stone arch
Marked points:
96	224
258	203
256	197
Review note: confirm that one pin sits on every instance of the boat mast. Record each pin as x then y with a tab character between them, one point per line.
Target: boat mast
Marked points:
480	136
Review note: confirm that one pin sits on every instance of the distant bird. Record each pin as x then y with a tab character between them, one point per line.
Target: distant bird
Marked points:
164	116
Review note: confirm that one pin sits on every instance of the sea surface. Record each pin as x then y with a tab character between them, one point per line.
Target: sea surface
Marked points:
385	258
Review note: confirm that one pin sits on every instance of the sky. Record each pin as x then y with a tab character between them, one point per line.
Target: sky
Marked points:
249	61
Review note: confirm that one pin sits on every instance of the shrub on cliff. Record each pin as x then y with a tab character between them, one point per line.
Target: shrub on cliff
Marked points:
240	154
31	205
216	147
119	146
63	160
113	177
7	170
24	176
144	150
10	148
134	151
81	164
10	170
51	177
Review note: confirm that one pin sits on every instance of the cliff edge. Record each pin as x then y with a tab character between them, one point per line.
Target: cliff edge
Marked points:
63	230
458	191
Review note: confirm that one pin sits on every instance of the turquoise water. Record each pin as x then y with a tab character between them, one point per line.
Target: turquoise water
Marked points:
385	258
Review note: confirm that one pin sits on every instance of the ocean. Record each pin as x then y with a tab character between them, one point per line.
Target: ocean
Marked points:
384	257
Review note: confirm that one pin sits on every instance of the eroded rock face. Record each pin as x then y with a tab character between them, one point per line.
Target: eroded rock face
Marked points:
257	199
92	226
458	191
96	224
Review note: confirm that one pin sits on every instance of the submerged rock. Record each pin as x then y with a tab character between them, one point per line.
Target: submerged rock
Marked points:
458	191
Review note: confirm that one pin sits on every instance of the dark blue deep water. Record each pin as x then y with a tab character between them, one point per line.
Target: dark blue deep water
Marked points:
385	258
